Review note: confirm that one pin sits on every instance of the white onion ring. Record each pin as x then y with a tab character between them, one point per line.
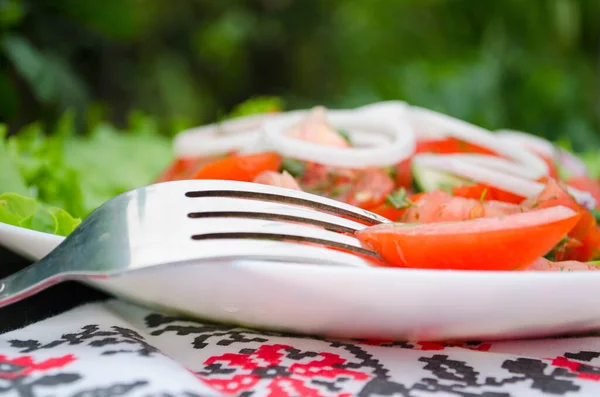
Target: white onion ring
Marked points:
546	148
398	130
220	138
484	174
534	142
494	163
450	126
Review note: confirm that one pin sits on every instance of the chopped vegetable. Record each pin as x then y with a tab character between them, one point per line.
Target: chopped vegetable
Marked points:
480	244
295	167
240	168
273	178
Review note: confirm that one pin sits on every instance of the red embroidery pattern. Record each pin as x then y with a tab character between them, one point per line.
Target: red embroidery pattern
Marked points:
583	371
25	365
267	364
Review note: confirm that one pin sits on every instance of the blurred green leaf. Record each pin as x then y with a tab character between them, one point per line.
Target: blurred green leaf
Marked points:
49	77
11	13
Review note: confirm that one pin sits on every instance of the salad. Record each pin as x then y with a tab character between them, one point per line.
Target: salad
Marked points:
459	197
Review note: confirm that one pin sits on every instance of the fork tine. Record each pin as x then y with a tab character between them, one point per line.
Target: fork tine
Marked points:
225	207
246	190
230	248
265	229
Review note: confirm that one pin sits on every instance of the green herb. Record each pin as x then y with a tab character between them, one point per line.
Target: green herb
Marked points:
559	248
596	214
344	134
447	188
296	168
392	172
483	194
399	199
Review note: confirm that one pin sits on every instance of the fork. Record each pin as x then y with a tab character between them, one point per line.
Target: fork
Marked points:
199	222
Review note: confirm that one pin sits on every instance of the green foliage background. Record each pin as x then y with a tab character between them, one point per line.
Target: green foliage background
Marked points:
530	65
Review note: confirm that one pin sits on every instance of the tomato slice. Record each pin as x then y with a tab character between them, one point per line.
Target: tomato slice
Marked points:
366	188
500	243
240	168
450	145
404	176
370	188
587	185
389	211
440	206
480	191
554	195
181	168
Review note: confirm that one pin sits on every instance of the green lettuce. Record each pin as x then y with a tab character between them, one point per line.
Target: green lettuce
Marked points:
27	212
49	182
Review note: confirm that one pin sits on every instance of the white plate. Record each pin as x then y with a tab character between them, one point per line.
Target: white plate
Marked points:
28	243
380	303
377	303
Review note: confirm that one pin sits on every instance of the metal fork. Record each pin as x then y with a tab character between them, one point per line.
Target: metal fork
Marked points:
197	222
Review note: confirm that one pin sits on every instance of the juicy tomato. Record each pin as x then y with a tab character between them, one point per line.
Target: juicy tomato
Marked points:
240	168
450	145
544	264
389	211
273	178
553	195
393	213
501	243
366	188
481	191
587	185
181	168
404	176
370	188
588	249
440	206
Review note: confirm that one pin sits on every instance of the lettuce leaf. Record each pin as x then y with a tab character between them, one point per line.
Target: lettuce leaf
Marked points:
29	213
49	182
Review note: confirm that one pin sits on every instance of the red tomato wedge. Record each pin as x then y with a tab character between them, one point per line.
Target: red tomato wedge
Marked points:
554	195
587	185
440	206
481	191
370	188
449	146
404	176
364	188
240	168
179	169
501	243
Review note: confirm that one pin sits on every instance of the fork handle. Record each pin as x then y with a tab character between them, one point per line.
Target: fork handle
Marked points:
27	282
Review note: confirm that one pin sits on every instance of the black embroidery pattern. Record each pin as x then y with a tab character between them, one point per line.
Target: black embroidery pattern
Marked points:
26	376
115	390
251	364
447	375
92	335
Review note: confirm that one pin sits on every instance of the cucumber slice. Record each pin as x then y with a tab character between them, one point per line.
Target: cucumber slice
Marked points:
428	179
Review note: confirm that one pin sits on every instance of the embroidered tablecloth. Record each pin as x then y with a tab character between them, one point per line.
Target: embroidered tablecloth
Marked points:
112	348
